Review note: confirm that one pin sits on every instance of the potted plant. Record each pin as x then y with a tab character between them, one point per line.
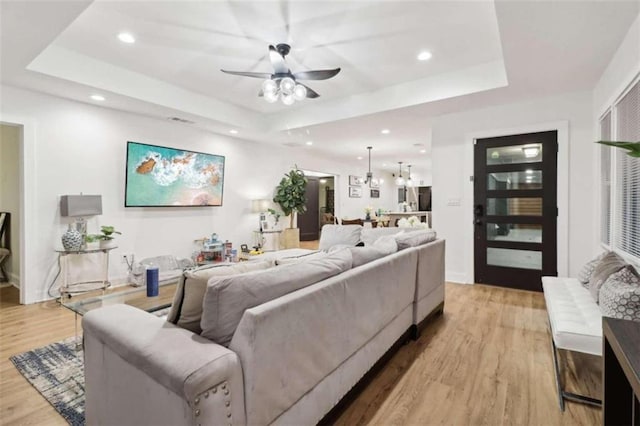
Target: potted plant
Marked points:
290	196
105	237
632	147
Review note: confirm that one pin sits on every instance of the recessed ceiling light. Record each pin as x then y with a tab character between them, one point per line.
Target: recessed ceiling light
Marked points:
385	131
309	143
424	56
423	151
99	98
323	181
233	131
126	38
359	158
384	164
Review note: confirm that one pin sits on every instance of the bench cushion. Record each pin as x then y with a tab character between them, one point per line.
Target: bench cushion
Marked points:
575	318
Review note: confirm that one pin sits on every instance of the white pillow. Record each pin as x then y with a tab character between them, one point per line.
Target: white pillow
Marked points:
415	238
370	235
384	246
332	235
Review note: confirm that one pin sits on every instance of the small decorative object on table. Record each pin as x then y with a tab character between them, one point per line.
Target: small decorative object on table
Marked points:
368	210
153	275
72	239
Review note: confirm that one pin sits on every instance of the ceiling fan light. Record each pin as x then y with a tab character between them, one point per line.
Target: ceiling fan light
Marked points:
287	85
271	97
287	99
299	92
269	86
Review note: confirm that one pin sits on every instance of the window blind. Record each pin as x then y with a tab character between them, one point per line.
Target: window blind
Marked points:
605	176
627	202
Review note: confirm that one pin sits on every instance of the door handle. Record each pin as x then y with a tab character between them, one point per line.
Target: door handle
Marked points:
478	210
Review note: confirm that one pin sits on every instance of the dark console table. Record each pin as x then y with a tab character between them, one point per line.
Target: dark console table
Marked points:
621	372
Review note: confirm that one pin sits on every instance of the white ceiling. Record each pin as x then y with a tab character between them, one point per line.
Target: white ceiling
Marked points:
484	53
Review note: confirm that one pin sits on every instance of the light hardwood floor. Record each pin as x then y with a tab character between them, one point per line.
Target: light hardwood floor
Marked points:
486	361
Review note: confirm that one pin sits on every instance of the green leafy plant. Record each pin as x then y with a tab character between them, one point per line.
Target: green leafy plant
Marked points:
106	234
632	147
290	194
275	214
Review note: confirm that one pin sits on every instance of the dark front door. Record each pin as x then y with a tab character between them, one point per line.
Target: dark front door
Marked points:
309	221
515	209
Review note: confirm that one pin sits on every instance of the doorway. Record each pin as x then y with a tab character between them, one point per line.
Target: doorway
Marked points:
320	205
515	209
10	145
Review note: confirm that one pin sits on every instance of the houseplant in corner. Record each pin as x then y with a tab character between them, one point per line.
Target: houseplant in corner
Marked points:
290	196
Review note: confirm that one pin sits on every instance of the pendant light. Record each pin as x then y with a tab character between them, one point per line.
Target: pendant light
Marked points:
369	174
400	179
409	180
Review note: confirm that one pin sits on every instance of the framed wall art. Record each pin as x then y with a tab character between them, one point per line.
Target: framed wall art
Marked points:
355	180
375	193
355	192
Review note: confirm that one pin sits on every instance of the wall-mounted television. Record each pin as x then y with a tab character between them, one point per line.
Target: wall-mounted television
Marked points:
158	176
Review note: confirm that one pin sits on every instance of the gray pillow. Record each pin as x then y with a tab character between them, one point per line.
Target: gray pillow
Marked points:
384	246
620	295
610	264
332	235
186	309
227	298
585	273
415	238
371	235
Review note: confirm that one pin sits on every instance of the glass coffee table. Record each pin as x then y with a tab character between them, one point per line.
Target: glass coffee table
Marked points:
136	297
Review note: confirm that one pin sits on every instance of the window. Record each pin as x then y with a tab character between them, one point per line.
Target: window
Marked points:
605	187
626	213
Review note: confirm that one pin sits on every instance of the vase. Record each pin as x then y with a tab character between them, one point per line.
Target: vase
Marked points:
107	243
72	239
368	216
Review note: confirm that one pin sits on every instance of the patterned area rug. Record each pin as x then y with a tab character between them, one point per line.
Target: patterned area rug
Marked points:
57	372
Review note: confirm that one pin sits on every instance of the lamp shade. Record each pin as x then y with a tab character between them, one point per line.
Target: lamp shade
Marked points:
259	206
80	205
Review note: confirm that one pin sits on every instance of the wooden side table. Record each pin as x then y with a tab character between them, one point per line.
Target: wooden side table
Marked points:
621	372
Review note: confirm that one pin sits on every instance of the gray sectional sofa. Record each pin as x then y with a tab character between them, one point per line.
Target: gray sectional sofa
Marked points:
289	360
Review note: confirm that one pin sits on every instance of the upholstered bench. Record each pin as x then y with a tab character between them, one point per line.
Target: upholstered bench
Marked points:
576	325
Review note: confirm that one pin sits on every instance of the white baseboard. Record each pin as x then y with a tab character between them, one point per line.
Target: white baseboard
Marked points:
456	277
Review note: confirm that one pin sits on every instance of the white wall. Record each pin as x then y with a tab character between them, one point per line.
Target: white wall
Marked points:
81	148
10	194
451	140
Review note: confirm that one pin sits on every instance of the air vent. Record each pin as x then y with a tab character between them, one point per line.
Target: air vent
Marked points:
180	120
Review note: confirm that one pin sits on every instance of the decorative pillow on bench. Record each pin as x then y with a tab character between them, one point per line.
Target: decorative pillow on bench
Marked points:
610	264
186	309
620	295
584	276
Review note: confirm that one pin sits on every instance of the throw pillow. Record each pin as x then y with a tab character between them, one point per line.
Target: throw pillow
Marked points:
415	238
610	264
227	298
585	273
186	309
384	246
370	235
332	235
620	295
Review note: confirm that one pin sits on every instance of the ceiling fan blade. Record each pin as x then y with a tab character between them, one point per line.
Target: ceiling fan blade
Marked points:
277	60
311	94
249	74
316	75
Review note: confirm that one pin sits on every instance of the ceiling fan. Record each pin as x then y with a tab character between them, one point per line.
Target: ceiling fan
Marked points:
283	84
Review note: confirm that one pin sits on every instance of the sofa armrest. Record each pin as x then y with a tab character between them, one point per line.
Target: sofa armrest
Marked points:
191	367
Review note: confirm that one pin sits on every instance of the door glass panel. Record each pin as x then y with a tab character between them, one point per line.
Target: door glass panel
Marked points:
514	154
529	179
514	206
518	232
523	259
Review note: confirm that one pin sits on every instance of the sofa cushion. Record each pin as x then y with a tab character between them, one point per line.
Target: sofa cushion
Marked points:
587	270
301	258
186	309
227	298
415	238
370	235
620	295
610	263
332	235
383	246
